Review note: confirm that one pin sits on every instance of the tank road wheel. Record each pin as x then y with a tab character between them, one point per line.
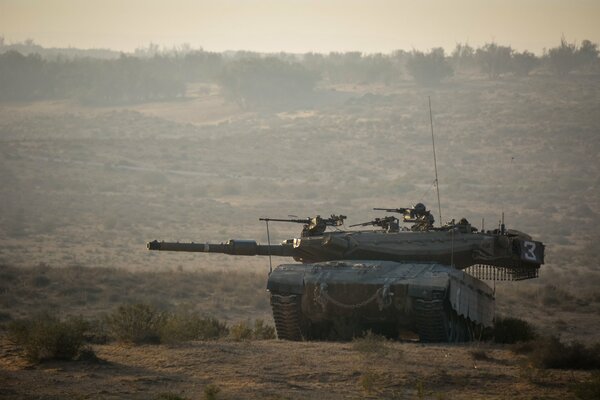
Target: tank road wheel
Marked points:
437	322
287	315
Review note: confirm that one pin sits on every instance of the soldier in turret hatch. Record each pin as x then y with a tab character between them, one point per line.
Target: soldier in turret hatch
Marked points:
422	218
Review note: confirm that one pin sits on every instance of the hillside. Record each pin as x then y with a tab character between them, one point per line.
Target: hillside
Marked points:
87	187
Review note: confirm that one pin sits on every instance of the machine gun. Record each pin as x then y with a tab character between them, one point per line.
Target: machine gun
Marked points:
418	215
314	226
389	224
394	210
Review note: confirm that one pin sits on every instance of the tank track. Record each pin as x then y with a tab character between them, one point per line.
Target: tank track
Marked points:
437	322
287	314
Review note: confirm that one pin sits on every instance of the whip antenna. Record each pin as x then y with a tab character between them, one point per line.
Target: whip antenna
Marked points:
269	243
437	183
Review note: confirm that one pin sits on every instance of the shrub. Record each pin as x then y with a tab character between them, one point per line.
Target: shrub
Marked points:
137	323
523	63
262	331
241	331
563	59
369	380
480	355
512	330
494	59
550	352
211	391
429	68
182	326
141	323
45	337
370	343
588	389
169	396
266	81
244	331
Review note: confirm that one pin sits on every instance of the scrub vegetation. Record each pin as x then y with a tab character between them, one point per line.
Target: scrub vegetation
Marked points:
102	152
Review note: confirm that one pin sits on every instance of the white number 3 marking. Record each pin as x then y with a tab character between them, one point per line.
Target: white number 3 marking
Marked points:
529	251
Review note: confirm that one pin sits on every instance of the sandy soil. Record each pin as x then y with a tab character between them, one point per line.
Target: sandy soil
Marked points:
287	370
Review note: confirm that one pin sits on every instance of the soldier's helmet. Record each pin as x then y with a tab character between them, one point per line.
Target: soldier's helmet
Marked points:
420	208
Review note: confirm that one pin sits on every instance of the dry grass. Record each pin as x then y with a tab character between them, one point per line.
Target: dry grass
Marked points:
88	187
90	292
294	370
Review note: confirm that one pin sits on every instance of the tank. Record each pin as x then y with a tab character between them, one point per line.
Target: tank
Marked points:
402	275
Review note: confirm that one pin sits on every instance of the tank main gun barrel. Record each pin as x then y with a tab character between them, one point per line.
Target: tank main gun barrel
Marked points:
232	247
295	220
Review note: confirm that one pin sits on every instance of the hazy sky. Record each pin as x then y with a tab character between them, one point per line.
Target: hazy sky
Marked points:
299	25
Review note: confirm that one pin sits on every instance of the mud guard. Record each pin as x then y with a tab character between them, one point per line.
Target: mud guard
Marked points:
471	298
287	279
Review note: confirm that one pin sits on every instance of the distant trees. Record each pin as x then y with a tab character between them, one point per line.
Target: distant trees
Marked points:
429	68
30	72
523	63
127	79
23	77
567	57
463	57
266	82
563	59
588	53
494	59
353	67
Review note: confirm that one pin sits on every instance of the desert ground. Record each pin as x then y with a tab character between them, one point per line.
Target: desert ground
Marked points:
84	189
275	369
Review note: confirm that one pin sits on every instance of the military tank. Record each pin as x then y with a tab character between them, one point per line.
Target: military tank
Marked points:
402	275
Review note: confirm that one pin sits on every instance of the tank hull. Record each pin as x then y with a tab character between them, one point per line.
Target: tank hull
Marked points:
342	299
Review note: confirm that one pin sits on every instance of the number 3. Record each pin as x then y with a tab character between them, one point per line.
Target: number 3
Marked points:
529	248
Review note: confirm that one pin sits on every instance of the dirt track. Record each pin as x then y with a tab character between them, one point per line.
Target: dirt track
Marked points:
287	370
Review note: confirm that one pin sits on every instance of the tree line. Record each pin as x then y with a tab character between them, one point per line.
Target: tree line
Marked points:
257	79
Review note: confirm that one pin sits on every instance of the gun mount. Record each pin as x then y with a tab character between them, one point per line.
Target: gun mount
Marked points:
314	226
389	224
418	215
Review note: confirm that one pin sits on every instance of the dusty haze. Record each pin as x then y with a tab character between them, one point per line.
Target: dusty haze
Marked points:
298	26
103	151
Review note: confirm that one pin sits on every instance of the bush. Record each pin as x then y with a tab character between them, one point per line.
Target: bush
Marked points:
211	391
244	331
429	68
589	389
263	331
550	352
267	82
369	380
494	59
479	355
141	323
370	343
137	323
523	63
183	326
241	331
563	59
45	337
512	330
169	396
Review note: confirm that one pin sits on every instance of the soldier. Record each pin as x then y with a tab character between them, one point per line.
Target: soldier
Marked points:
421	217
